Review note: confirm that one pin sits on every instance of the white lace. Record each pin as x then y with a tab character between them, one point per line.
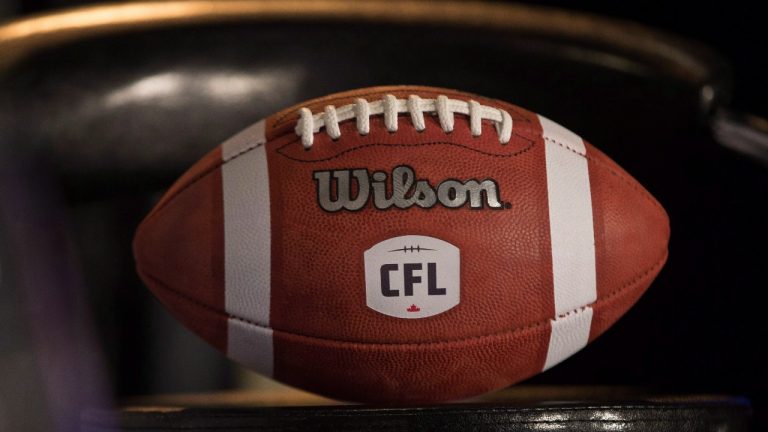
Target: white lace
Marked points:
308	124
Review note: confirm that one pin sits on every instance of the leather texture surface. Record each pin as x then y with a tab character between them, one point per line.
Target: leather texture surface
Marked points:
674	415
324	338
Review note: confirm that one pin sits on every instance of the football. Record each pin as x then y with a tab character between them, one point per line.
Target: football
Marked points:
402	245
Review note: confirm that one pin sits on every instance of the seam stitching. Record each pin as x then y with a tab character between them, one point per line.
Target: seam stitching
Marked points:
254	146
614	293
243	151
200	176
247	149
517	153
626	179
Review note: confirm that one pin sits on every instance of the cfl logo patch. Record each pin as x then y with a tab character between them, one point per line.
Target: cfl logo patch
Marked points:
412	276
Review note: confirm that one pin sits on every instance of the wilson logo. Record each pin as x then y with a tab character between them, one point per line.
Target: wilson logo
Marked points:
412	276
352	189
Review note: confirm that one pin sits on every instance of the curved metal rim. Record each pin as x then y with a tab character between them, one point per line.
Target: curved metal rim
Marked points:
681	58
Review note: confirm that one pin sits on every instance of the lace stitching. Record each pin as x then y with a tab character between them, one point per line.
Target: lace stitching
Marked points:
391	107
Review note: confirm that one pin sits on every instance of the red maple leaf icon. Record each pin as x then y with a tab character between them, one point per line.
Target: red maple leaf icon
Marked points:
413	308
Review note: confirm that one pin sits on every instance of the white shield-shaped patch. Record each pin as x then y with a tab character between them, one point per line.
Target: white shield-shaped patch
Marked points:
412	276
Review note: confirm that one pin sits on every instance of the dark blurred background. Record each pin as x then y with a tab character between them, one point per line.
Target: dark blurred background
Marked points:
733	28
146	351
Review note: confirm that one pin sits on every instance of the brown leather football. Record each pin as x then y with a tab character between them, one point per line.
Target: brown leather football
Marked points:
402	244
